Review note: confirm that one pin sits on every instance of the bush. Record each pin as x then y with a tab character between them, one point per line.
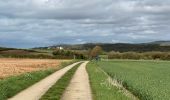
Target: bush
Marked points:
114	55
131	55
68	54
134	55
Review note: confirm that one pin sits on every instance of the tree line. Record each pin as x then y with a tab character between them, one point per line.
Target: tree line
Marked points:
67	54
153	55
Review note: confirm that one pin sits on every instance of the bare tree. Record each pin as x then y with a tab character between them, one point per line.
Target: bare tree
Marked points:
97	50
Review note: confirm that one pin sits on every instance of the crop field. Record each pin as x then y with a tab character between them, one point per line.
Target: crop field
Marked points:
147	80
9	66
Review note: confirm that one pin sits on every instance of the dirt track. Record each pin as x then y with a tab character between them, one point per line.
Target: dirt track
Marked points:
37	90
79	87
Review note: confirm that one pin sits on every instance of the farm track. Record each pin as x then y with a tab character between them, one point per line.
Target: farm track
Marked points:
79	87
37	90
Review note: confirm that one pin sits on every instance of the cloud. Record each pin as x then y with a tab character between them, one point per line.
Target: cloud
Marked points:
30	23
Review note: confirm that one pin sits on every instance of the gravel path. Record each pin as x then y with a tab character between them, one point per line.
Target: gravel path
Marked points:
79	87
37	90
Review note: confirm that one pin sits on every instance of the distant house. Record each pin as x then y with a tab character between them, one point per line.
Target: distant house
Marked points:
60	48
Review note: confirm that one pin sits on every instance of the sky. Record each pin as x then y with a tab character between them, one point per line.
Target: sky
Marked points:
35	23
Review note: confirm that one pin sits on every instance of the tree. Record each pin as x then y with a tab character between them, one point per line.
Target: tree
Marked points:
97	50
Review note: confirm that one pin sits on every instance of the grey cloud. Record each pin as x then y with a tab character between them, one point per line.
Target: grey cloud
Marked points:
29	23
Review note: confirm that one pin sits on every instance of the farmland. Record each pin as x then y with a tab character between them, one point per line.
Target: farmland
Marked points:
147	80
30	72
101	88
12	66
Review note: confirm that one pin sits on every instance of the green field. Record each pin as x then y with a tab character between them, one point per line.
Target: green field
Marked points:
101	88
147	80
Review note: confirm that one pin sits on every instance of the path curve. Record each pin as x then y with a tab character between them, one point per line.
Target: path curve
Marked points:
37	90
79	87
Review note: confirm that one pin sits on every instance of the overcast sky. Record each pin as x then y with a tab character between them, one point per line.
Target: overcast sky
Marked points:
33	23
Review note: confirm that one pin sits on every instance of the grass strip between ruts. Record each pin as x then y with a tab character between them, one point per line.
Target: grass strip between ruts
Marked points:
56	91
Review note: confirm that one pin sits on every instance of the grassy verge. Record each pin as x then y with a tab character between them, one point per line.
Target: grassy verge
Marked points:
56	91
12	85
101	88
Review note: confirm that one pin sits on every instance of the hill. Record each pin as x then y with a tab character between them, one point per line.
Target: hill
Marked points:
163	46
23	53
3	48
161	43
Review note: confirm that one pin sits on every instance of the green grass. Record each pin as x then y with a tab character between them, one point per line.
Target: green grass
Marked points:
101	88
148	80
12	85
56	91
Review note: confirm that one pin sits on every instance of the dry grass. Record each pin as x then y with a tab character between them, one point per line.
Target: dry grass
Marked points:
10	66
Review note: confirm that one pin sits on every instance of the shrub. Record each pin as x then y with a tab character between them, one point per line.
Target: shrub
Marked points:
68	54
145	55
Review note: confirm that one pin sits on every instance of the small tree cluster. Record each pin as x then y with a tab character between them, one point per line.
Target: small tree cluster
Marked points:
144	55
68	54
96	51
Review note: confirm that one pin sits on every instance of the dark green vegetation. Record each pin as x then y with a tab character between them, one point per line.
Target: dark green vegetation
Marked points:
56	91
24	53
137	56
152	50
40	53
148	80
148	51
68	54
12	85
101	88
2	48
163	46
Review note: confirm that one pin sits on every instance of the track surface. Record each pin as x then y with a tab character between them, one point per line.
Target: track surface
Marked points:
79	87
37	90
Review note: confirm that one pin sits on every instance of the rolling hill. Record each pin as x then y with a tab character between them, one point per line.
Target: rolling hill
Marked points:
163	46
161	43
